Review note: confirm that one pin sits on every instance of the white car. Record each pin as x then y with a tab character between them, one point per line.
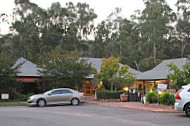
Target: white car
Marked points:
182	102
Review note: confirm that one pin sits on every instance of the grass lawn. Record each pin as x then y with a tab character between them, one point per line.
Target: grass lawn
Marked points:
13	104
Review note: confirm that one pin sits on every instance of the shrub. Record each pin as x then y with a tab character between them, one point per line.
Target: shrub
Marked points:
152	97
167	99
23	97
16	96
13	94
106	94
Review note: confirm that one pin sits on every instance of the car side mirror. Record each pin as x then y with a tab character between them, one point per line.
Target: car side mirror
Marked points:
49	94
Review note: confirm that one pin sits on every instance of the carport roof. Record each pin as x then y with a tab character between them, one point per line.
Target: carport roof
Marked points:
162	70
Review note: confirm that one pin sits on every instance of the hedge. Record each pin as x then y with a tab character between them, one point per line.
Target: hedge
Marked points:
167	99
17	97
106	94
152	97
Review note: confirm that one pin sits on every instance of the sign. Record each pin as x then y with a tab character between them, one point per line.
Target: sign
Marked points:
162	86
4	96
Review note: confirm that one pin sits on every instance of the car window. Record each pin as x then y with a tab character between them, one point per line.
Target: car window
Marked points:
188	90
56	92
66	92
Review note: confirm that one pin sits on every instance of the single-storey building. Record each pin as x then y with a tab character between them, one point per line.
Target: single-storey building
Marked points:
89	87
31	80
29	76
150	79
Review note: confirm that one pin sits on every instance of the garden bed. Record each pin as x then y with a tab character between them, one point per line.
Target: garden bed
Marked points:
109	100
160	106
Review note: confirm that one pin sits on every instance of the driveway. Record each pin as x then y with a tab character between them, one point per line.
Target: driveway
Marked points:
87	115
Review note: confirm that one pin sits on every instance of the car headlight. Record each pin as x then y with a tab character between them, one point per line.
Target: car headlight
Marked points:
31	97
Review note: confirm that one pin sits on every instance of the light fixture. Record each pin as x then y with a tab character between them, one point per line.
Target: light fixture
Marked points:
151	90
125	88
159	92
101	82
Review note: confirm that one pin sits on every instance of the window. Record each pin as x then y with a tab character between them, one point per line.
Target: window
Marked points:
56	92
66	92
140	87
188	90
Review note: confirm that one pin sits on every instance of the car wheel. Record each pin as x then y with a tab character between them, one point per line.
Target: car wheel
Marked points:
41	103
187	109
75	101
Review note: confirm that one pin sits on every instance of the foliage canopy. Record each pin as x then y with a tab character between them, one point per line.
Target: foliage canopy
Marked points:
64	69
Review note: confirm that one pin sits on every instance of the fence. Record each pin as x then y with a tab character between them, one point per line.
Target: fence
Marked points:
134	95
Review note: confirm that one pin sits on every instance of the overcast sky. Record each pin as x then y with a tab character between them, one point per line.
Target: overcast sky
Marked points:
102	7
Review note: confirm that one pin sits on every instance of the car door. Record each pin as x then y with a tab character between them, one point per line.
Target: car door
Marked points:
66	95
54	96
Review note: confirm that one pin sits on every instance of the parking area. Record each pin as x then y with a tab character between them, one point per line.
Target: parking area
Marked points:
85	115
134	106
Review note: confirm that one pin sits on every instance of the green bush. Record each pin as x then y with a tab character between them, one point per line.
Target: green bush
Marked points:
167	99
106	94
23	97
152	97
13	94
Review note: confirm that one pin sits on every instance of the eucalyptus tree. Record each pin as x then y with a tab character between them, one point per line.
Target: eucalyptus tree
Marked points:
3	19
27	23
115	20
183	25
154	24
39	30
125	45
85	18
119	37
106	35
102	38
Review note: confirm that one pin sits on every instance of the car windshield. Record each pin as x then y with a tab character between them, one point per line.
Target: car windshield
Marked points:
47	92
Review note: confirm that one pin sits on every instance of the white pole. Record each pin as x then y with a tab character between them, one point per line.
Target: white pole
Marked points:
95	96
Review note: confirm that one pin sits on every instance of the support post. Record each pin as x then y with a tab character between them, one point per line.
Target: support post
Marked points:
144	87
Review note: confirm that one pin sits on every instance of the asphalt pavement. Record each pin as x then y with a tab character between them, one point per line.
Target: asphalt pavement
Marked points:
87	115
133	105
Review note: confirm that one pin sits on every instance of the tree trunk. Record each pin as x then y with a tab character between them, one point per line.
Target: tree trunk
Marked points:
136	65
154	46
183	46
20	47
121	53
115	89
111	87
154	51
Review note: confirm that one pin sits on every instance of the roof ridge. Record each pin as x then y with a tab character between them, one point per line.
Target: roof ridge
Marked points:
26	60
176	59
